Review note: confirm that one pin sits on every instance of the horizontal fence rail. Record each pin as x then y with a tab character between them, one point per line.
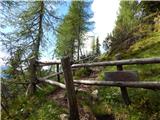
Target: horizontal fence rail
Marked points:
53	62
108	63
135	84
131	84
47	63
119	62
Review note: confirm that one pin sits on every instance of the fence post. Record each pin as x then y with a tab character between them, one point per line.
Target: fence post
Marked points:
57	70
123	89
73	107
32	76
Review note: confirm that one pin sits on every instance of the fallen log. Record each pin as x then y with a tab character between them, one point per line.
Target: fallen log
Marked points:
132	84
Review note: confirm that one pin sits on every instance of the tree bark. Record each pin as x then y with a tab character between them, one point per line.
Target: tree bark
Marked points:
32	76
73	107
40	30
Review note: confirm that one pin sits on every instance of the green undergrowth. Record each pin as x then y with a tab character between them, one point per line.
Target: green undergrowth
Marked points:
147	47
37	107
82	72
145	103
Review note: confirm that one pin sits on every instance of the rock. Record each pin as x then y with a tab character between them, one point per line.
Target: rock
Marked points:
94	94
94	97
63	116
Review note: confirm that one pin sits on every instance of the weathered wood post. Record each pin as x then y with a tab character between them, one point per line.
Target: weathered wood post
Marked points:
57	70
123	89
32	76
73	107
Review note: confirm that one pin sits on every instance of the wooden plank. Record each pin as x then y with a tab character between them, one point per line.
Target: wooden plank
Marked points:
73	107
136	84
119	62
121	76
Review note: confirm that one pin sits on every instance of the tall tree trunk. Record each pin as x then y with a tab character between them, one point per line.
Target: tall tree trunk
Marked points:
36	49
40	30
72	49
78	49
79	42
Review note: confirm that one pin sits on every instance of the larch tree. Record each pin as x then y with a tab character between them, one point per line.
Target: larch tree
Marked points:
135	20
127	19
30	23
98	52
65	44
77	23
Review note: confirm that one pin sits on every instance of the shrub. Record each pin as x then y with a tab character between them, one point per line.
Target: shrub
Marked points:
83	72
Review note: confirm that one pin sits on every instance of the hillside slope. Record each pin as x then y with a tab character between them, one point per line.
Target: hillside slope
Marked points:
147	47
145	103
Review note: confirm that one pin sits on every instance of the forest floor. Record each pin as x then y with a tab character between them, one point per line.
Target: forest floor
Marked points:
60	98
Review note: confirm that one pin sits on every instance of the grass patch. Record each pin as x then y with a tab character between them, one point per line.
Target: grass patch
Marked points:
145	104
37	107
147	47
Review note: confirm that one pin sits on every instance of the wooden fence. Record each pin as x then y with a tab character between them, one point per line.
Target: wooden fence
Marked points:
69	82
